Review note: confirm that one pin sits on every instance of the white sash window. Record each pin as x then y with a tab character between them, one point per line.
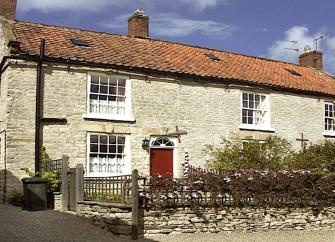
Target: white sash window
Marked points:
255	111
108	155
109	97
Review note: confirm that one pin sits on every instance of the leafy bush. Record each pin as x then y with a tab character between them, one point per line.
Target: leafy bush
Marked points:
273	154
319	157
52	177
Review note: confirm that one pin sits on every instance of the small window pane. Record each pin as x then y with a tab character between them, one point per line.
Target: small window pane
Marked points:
95	79
112	90
103	97
121	140
112	149
112	139
120	149
113	81
104	80
245	96
112	98
103	148
94	88
104	89
251	97
122	82
94	96
94	138
103	139
94	148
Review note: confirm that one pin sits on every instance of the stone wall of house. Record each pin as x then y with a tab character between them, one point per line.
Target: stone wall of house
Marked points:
230	219
205	110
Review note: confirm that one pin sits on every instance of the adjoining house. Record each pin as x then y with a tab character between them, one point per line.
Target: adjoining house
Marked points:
118	102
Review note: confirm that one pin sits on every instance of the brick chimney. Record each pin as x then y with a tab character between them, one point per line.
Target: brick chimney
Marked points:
8	9
138	24
311	58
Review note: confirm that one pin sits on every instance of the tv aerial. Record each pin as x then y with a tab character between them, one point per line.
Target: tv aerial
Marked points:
290	48
316	41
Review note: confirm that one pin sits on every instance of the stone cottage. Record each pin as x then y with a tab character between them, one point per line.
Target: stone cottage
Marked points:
117	102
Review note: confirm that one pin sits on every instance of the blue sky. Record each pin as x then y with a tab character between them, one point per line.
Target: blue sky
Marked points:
254	27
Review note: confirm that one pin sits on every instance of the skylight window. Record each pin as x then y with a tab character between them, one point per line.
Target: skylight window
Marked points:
80	42
293	72
213	57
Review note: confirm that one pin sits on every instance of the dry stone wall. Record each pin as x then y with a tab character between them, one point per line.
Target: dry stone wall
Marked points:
192	220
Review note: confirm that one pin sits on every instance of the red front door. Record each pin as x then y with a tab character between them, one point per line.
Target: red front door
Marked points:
161	162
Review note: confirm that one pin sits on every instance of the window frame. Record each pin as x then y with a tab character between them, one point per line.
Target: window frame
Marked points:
127	159
325	131
266	125
128	100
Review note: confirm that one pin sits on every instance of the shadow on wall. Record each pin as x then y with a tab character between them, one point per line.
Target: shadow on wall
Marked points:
10	186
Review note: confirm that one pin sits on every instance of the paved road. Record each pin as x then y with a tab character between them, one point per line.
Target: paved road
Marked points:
20	225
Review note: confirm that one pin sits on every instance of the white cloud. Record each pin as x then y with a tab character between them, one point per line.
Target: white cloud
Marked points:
70	5
199	5
173	26
303	37
167	25
300	34
96	5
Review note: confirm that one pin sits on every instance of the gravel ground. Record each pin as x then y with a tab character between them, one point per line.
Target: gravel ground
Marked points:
272	236
20	225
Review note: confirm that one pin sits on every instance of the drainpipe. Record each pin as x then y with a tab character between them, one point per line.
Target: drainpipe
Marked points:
38	113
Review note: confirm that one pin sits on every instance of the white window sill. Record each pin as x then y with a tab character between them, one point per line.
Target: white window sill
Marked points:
329	133
127	118
256	128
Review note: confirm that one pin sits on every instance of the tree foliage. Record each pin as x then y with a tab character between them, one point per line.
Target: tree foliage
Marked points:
273	154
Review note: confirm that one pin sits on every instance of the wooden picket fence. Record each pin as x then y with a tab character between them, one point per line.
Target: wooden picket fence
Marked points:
114	189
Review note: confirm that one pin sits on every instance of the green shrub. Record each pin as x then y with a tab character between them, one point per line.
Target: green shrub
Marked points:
52	177
272	154
319	157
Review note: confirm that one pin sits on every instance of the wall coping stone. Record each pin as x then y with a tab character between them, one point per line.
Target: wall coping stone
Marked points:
103	204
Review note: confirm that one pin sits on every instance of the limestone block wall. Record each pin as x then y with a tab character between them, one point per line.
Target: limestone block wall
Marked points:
192	220
207	111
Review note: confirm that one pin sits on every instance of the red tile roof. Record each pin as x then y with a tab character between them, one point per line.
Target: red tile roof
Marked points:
168	57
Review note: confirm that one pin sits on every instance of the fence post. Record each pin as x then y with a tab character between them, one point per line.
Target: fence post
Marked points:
65	183
79	183
134	204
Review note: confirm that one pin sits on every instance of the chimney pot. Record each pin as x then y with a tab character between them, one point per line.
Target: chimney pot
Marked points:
312	59
8	9
138	24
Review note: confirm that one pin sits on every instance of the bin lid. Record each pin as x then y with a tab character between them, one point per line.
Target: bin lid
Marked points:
33	180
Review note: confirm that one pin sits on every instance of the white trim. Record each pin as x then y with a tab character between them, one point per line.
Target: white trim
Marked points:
329	133
174	148
128	100
255	127
108	117
127	152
